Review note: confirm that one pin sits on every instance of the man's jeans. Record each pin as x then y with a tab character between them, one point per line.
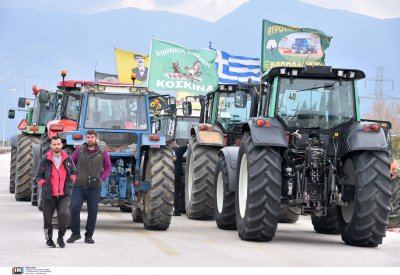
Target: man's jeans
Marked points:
78	196
49	206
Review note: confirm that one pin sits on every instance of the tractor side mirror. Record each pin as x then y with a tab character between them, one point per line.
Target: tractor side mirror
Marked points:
44	96
21	102
11	113
240	99
187	108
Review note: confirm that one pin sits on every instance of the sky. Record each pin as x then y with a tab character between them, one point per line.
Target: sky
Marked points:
210	10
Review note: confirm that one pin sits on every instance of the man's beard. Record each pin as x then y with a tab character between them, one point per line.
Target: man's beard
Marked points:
57	151
91	143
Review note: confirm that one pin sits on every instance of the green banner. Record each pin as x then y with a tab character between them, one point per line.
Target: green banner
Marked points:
291	46
175	68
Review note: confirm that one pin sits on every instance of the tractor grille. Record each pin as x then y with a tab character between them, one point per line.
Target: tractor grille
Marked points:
119	142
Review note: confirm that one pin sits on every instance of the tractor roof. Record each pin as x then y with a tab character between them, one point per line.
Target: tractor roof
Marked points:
313	72
73	83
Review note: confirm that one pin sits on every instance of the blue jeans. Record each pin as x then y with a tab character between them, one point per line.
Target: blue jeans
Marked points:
78	196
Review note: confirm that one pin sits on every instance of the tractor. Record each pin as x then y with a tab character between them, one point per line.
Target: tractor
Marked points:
222	116
142	174
309	148
23	164
301	46
65	119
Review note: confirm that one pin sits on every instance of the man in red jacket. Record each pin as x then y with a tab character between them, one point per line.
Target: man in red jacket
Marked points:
55	174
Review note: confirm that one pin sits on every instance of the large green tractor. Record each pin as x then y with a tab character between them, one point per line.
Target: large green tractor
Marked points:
23	164
309	148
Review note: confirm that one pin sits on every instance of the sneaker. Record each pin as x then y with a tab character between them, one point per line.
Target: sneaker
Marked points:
73	238
89	240
60	242
50	243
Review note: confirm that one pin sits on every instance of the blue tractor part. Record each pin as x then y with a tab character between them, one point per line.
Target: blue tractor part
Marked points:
301	46
142	177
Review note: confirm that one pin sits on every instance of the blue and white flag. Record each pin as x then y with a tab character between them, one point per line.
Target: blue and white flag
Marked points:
237	69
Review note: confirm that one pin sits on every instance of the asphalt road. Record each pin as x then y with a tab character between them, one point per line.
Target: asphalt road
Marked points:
120	242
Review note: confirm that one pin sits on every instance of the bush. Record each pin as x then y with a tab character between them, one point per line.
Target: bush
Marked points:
395	142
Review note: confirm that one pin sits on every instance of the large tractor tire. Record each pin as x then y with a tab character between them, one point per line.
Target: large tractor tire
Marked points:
36	160
289	214
199	179
394	217
159	200
224	203
44	144
137	214
13	168
25	170
44	149
258	193
180	179
326	224
363	222
126	208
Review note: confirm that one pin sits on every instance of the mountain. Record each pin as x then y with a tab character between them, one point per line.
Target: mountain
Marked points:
35	45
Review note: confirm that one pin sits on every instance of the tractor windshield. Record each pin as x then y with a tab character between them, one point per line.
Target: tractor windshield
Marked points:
44	112
72	106
229	116
315	103
116	111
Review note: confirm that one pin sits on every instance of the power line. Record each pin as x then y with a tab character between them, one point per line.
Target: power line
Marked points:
379	86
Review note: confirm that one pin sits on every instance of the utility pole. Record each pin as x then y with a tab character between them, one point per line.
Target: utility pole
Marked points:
379	86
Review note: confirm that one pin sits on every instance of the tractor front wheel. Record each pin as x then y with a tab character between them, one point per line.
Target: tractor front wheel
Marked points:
159	200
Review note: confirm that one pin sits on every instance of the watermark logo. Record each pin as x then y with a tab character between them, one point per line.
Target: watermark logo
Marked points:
17	270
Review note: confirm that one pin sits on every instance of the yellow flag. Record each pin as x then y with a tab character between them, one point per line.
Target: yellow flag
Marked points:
131	62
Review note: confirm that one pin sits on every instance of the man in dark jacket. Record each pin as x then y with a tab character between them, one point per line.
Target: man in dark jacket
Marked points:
94	166
55	174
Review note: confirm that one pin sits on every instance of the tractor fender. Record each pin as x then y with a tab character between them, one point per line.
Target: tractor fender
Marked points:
272	135
14	140
356	138
208	134
231	154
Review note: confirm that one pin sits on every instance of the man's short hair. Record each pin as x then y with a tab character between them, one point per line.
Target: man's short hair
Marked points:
55	138
138	55
91	132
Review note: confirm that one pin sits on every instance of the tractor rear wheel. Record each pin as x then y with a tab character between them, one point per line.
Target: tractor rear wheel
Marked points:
44	144
159	200
199	180
36	160
364	219
326	224
13	168
258	193
224	203
24	164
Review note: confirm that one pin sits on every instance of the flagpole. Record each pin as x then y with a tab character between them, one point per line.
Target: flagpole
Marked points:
115	57
148	72
95	68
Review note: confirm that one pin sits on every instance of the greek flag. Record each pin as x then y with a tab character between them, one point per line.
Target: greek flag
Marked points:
237	69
